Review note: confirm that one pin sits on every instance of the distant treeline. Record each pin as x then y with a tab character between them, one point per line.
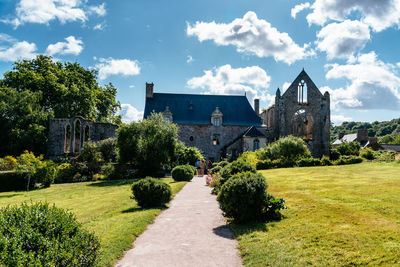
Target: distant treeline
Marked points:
388	132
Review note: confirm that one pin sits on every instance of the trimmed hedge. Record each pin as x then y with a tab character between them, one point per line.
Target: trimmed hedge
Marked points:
308	162
14	181
39	235
150	192
265	164
194	170
182	173
345	160
215	170
233	168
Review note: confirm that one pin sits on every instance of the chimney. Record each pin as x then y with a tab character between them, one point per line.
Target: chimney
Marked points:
149	90
362	135
340	135
257	106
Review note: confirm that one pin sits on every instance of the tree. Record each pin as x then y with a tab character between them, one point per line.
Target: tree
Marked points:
149	144
38	89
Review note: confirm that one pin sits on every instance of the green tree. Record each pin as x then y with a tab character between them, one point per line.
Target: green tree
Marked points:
149	144
38	89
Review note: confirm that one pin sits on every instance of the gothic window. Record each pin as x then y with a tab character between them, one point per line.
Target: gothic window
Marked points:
215	141
256	144
302	92
302	124
87	133
67	141
191	139
216	117
77	136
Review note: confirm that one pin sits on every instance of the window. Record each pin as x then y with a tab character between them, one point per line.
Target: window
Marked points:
87	136
191	138
256	144
302	125
67	142
216	122
77	136
215	141
302	92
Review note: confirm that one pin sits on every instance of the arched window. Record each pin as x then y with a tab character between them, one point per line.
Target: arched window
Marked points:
77	136
216	117
256	144
302	124
302	92
87	133
67	141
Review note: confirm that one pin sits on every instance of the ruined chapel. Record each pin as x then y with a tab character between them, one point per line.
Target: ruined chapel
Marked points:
226	125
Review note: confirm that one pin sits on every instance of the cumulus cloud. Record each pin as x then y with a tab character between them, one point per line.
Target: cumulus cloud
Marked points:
341	40
285	86
16	50
299	8
129	113
44	11
373	84
72	46
377	14
111	66
251	35
226	80
99	26
339	119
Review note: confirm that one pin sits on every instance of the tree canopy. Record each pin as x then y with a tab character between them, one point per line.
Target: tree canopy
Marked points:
34	91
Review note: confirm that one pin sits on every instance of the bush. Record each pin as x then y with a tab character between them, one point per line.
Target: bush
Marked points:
289	148
108	170
265	164
244	197
367	153
193	168
186	155
307	162
106	148
150	192
274	206
284	163
39	235
182	173
223	163
249	157
325	161
214	182
13	181
348	149
215	170
334	154
234	168
344	160
90	153
45	174
8	163
64	173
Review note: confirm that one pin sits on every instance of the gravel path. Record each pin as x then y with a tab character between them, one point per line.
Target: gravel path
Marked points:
191	232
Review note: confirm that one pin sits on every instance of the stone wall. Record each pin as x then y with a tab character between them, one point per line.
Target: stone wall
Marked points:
67	135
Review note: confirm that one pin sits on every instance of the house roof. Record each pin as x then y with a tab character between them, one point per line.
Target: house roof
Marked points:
197	109
253	132
391	147
348	138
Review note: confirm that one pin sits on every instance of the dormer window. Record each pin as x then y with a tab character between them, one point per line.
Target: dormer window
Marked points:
167	114
216	117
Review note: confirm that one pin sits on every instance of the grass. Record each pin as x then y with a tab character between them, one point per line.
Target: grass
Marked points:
102	207
337	215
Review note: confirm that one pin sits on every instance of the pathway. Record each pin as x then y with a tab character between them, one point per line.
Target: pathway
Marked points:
191	232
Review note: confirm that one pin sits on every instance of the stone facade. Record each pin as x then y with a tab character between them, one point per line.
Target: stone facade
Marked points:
67	135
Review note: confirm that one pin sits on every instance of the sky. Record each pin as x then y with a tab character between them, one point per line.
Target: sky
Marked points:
349	48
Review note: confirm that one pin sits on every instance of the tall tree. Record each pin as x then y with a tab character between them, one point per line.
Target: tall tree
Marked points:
38	89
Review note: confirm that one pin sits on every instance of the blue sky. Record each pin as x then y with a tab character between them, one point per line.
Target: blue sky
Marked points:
348	47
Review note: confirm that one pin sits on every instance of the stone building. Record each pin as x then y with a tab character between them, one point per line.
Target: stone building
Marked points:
226	125
67	136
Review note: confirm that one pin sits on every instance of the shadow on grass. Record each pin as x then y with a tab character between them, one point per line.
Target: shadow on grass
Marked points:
247	228
8	196
223	231
133	209
112	183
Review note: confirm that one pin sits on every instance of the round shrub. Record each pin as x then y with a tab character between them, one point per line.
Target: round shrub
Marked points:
65	173
193	168
45	174
325	161
182	173
233	168
40	235
215	170
244	197
223	163
150	192
334	154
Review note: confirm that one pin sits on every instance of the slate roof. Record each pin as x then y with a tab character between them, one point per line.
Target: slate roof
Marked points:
348	138
197	109
253	132
391	147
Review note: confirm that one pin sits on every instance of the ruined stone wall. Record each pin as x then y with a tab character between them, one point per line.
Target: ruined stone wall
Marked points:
267	117
201	136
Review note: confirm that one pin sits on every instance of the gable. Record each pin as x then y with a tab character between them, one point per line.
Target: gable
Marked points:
312	89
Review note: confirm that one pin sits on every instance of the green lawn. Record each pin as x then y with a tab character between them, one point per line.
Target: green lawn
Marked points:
102	207
337	215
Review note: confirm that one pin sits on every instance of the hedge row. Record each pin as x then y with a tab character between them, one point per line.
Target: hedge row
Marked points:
13	181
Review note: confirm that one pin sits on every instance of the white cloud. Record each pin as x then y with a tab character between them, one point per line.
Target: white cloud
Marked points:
373	84
379	14
71	46
285	86
130	113
18	51
299	8
44	11
110	66
189	59
226	80
341	40
338	119
251	35
131	86
99	26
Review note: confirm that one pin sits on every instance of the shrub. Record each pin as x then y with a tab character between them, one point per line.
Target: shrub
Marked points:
215	170
265	164
307	162
325	161
367	153
150	192
106	148
284	163
108	170
289	148
182	173
64	173
344	160
249	157
90	153
234	168
334	154
244	197
347	149
39	235
45	174
193	168
274	206
214	182
8	163
223	163
186	155
13	181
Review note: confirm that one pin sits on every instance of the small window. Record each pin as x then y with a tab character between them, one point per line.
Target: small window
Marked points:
191	138
168	119
215	140
216	122
256	144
